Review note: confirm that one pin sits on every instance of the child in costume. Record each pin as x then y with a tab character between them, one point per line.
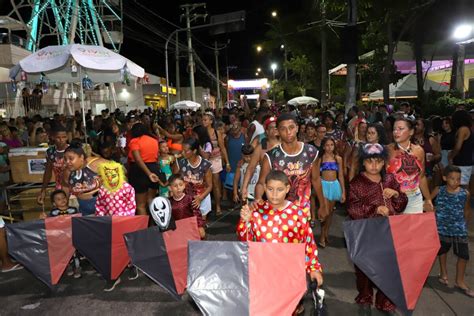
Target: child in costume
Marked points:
182	203
452	214
331	167
165	161
60	202
284	216
116	196
373	193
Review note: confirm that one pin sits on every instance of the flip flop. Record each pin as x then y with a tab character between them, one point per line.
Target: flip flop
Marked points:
443	281
14	268
467	291
321	245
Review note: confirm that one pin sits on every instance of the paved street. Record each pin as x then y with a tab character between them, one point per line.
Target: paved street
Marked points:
20	290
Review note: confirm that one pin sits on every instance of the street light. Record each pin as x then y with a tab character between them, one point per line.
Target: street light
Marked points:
274	14
259	69
259	49
256	74
274	66
282	46
462	31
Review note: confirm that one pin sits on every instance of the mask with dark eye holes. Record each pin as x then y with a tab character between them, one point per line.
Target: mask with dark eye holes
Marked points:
160	210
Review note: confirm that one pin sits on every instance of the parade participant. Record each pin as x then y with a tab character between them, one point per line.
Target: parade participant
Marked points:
256	131
218	154
330	165
196	174
182	205
461	155
430	145
165	161
373	193
331	129
375	135
174	138
116	196
406	163
296	160
143	171
448	137
452	214
61	205
270	141
279	220
242	166
84	182
55	163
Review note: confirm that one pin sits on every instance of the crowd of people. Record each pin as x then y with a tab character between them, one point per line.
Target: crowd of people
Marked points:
288	167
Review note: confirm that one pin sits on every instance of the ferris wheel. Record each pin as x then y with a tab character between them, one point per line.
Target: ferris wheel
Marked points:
62	22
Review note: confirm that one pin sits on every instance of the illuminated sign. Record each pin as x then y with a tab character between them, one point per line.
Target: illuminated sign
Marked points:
172	90
248	84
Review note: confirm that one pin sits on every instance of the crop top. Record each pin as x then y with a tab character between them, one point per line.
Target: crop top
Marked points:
329	165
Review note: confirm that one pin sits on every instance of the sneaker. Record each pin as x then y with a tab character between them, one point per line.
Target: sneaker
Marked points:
132	273
110	286
77	273
69	271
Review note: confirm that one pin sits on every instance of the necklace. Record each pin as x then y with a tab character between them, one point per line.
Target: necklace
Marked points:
407	149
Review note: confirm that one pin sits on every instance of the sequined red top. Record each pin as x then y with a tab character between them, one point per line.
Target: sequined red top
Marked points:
183	208
365	196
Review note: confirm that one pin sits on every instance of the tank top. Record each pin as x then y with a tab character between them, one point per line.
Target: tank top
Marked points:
406	168
259	131
464	157
298	169
84	180
216	151
234	149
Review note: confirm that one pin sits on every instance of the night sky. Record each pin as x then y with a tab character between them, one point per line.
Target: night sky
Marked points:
146	48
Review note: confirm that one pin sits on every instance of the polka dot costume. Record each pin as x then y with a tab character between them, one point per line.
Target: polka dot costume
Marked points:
120	203
281	226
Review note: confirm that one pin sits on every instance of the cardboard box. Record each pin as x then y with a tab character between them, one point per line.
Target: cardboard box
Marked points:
27	164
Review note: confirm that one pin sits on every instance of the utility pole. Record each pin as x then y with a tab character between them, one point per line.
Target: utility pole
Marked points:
351	79
218	85
188	8
324	68
178	84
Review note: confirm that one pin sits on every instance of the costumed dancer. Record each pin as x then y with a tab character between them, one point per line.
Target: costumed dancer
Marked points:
331	167
452	215
116	196
279	220
182	203
373	193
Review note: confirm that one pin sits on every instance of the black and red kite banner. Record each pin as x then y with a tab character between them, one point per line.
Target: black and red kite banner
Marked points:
100	240
246	278
163	256
44	246
396	253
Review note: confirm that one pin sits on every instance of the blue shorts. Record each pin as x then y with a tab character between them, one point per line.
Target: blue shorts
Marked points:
87	207
331	190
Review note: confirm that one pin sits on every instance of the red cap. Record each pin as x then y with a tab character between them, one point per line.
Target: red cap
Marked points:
268	121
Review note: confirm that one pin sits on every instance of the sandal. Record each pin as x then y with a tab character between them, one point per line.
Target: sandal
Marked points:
443	281
299	310
13	268
321	244
466	291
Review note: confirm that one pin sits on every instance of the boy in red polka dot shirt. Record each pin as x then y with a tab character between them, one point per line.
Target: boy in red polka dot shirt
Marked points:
279	220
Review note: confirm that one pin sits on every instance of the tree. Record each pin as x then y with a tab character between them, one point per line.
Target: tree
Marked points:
303	70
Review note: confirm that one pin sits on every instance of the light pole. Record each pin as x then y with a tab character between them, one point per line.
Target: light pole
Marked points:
274	66
462	33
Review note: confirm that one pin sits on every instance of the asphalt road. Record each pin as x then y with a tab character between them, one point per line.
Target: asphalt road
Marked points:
22	294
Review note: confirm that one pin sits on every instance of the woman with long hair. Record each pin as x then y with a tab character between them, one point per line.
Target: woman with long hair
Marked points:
83	179
461	155
143	170
218	155
196	172
407	164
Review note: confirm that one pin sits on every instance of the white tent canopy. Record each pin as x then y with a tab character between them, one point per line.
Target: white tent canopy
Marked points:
100	64
186	105
303	100
407	88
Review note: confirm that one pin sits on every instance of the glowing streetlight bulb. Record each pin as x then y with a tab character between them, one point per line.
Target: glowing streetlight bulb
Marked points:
256	74
282	46
274	66
259	69
462	31
259	48
274	14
